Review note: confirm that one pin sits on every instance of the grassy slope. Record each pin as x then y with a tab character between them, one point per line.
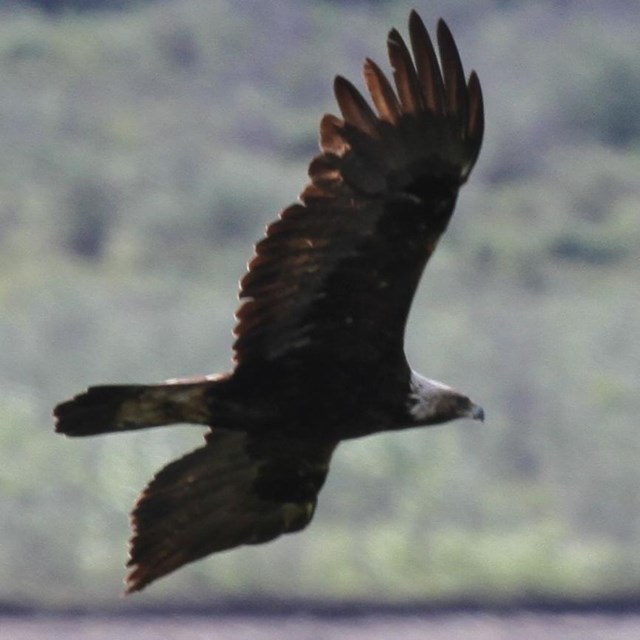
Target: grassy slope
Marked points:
143	152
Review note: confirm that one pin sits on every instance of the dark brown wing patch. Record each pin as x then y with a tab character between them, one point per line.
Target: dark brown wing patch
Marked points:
354	107
415	151
236	490
426	64
453	75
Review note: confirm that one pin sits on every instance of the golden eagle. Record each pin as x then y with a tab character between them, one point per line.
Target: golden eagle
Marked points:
319	352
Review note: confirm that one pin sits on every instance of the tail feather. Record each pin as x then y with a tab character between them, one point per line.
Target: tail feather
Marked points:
113	408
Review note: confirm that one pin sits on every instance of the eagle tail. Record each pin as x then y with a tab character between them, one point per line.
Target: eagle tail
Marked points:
235	490
114	408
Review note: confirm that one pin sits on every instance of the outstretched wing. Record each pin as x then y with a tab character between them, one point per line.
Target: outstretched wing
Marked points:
235	490
336	274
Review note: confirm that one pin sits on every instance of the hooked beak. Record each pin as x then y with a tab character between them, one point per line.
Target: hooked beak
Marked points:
476	412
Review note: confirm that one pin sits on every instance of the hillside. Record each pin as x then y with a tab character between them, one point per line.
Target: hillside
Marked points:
142	152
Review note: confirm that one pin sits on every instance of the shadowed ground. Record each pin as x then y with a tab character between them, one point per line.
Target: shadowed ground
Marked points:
479	626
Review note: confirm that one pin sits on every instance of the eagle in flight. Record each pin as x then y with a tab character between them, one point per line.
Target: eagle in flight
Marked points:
318	354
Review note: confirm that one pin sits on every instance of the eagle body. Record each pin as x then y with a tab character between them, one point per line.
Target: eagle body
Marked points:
319	349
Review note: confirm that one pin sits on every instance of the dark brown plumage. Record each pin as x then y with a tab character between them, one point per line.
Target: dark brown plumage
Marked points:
319	352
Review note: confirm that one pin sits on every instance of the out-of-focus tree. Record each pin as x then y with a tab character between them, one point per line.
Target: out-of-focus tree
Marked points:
90	215
57	7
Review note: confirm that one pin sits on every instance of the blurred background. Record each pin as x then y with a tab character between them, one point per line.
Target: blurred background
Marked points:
144	145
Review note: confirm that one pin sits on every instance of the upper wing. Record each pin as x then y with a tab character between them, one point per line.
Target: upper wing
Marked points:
235	490
337	272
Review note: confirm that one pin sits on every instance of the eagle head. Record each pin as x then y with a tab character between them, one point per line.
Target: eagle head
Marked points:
432	402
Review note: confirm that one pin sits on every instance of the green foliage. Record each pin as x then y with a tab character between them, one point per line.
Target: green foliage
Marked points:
141	155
